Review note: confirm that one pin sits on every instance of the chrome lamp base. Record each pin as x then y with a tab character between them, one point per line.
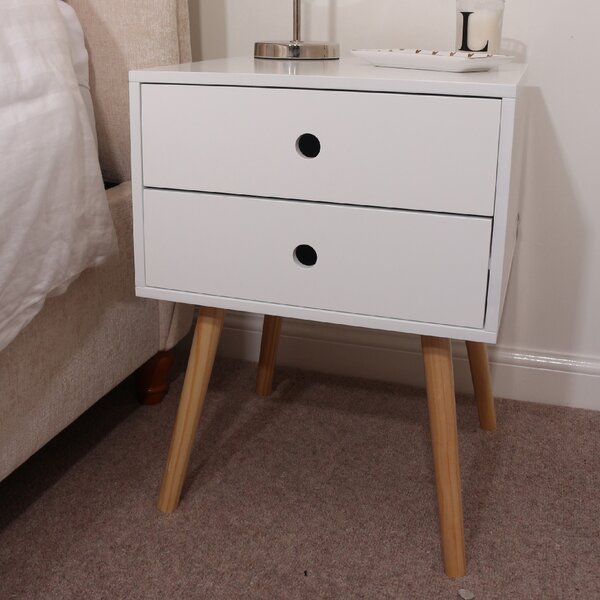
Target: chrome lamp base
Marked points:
297	50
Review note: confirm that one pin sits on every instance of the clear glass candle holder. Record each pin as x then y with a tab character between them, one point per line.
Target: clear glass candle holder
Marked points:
479	25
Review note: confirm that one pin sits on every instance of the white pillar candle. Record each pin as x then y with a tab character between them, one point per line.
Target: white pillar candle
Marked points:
484	25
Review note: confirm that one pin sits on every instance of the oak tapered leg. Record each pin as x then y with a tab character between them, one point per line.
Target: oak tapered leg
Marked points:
482	384
268	354
197	376
439	375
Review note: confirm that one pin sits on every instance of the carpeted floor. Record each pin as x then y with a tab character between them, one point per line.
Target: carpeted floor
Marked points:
324	490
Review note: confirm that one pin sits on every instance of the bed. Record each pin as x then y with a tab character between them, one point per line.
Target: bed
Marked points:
86	340
54	216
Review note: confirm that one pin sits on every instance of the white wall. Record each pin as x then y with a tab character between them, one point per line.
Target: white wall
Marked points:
549	348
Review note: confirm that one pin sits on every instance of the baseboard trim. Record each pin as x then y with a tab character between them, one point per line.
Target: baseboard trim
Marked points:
557	379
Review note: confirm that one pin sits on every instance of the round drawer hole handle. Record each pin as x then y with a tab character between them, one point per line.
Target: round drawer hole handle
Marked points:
308	145
305	255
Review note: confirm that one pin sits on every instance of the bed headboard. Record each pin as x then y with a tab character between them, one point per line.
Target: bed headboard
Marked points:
121	36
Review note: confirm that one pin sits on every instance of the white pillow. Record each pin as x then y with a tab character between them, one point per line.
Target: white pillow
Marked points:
79	58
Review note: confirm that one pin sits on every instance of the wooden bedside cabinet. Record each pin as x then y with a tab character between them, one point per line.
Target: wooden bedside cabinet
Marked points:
331	191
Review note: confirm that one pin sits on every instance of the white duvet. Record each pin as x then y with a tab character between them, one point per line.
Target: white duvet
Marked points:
54	217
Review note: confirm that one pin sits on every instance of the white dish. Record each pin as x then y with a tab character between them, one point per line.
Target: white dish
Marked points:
432	60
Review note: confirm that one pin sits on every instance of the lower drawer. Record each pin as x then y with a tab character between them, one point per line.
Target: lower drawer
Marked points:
380	262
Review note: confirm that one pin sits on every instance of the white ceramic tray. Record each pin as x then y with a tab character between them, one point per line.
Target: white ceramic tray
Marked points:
432	60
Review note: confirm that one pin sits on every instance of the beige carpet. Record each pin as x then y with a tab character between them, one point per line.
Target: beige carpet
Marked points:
324	490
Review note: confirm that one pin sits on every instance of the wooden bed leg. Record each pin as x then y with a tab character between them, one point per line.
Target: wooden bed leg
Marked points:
152	378
482	384
268	354
197	376
439	375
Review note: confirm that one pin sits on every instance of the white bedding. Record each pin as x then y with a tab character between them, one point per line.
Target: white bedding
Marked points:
54	217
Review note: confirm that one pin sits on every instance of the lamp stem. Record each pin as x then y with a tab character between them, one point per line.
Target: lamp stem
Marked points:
297	21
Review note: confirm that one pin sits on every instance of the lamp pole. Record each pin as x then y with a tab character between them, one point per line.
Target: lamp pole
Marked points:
297	21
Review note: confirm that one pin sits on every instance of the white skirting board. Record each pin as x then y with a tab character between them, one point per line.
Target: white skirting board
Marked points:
520	375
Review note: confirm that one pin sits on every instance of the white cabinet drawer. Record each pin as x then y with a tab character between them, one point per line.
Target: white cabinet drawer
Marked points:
381	262
430	153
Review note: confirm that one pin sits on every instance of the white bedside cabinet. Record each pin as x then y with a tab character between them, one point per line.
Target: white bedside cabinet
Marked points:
331	191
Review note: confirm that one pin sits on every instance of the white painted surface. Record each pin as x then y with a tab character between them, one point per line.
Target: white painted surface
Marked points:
135	104
349	74
505	214
392	150
386	263
323	316
552	302
446	298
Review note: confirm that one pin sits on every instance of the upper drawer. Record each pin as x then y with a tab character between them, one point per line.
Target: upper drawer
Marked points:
433	153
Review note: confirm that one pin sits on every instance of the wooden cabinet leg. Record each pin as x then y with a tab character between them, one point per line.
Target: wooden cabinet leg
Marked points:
152	378
197	376
439	375
482	384
268	354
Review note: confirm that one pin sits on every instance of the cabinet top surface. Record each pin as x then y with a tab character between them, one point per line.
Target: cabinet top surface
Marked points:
344	74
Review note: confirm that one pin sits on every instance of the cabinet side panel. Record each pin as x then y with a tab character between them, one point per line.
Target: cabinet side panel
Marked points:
135	108
505	214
